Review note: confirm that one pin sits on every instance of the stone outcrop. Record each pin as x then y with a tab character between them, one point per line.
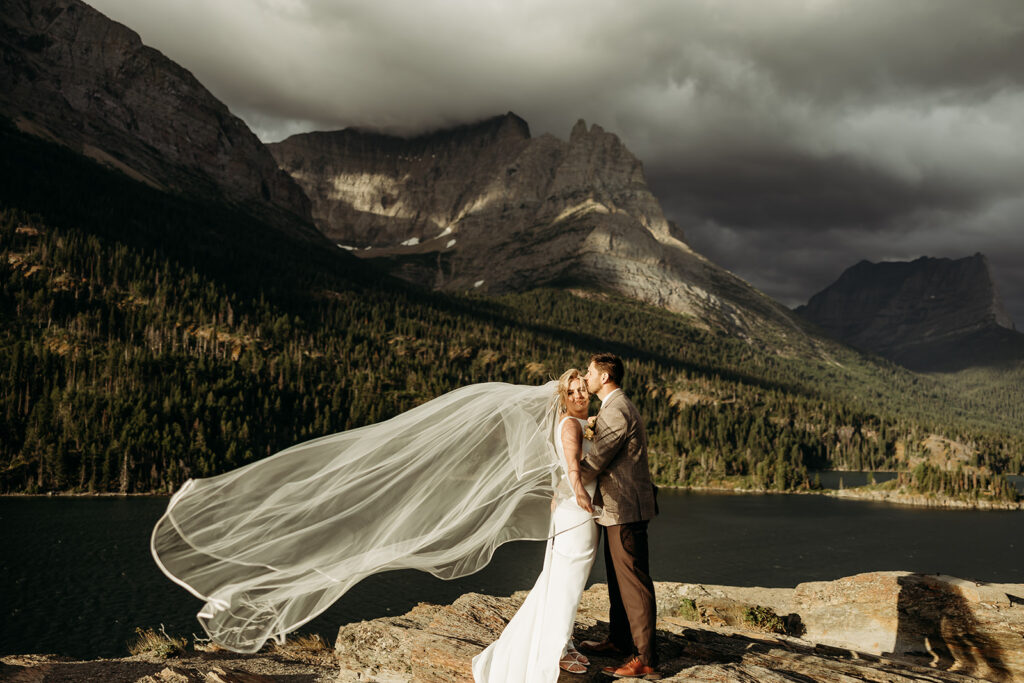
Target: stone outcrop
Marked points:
886	627
932	313
942	621
71	75
487	207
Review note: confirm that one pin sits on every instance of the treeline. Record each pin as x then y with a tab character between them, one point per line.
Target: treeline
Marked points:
148	339
963	483
123	371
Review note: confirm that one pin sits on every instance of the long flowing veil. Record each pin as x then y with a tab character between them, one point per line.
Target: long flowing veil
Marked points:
271	545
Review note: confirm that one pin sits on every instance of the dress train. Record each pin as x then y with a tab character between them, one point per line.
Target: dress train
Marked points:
534	640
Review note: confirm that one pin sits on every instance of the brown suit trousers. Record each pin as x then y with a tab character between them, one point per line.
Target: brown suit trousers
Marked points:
631	620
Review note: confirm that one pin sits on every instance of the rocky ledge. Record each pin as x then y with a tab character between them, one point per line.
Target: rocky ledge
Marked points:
882	626
893	627
197	667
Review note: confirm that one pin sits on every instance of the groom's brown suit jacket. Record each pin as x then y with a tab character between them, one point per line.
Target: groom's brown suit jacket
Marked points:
619	459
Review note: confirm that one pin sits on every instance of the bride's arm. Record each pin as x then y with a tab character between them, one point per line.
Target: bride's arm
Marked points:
572	446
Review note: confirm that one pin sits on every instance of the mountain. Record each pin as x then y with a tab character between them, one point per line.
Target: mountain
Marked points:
487	207
928	314
149	338
71	75
156	331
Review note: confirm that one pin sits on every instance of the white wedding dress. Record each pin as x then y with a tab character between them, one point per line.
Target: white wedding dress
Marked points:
534	640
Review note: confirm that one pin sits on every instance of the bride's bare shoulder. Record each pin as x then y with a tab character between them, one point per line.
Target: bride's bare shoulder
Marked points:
571	427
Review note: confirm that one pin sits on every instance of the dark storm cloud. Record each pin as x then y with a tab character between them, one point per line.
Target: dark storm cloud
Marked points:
791	189
877	49
789	138
793	263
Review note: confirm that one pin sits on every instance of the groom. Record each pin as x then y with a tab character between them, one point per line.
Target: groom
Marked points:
619	462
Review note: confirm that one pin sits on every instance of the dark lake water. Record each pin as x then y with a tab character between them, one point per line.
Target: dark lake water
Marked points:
76	575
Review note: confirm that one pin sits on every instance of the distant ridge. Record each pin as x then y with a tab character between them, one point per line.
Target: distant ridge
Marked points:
927	314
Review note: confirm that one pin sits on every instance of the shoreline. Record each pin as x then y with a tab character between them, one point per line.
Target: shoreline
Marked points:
856	493
923	500
101	494
862	494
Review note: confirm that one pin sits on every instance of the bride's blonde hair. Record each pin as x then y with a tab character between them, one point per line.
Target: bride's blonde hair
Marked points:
562	393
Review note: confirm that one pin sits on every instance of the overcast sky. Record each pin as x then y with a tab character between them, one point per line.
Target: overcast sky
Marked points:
788	138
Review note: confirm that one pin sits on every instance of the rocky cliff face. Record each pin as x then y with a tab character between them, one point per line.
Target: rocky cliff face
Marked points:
370	190
932	313
488	207
70	74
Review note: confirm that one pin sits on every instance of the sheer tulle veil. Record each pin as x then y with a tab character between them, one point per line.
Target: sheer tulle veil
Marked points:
271	545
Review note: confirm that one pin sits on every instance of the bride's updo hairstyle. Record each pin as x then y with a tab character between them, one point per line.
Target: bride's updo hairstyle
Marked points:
562	393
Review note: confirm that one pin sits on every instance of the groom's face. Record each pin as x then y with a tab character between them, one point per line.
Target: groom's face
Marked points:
592	379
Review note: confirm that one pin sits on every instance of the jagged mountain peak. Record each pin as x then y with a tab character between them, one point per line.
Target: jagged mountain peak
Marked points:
579	130
485	207
435	180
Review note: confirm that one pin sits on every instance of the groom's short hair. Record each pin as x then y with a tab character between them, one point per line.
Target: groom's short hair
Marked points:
610	363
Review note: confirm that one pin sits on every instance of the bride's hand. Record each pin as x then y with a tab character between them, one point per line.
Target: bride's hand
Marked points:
583	500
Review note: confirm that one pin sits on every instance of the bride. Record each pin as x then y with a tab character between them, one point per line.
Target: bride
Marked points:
538	639
438	488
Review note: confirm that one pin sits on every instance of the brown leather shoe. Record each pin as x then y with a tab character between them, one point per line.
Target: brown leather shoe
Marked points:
600	647
635	668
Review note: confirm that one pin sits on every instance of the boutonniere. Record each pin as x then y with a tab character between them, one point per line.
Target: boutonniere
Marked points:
591	428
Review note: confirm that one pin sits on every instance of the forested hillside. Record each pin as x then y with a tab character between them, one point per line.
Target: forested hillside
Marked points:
148	338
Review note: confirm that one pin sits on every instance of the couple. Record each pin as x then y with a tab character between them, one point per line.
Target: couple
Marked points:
272	544
612	463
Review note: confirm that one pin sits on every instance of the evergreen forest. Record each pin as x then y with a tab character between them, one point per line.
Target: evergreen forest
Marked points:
148	338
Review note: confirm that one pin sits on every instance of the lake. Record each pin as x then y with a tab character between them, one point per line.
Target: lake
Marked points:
77	576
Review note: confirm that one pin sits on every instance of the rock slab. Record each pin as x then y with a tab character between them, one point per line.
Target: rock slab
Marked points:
883	626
